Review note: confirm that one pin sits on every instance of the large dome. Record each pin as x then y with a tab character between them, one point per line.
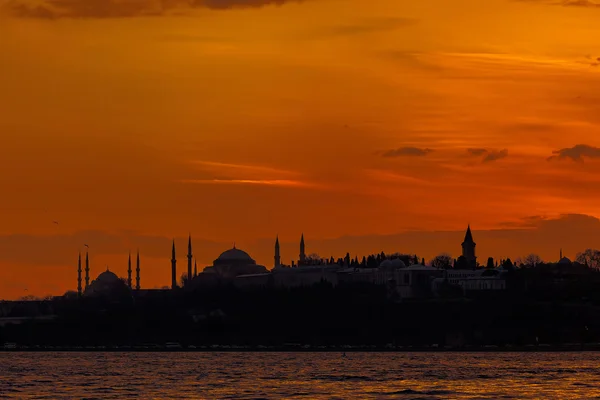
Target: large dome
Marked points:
236	256
107	277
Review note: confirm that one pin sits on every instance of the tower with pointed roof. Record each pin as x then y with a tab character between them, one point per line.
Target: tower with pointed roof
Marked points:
129	271
189	259
468	248
302	260
79	275
173	268
87	270
277	253
137	271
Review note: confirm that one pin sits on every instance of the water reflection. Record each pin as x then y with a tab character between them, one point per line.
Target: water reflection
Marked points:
297	375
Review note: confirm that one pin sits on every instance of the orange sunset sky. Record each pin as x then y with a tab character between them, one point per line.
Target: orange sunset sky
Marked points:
368	125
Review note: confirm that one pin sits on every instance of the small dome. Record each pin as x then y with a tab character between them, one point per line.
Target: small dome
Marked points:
565	261
398	263
386	264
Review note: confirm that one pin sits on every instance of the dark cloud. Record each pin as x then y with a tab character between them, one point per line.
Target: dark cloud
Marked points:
579	3
54	9
565	3
406	152
490	155
576	153
476	151
495	155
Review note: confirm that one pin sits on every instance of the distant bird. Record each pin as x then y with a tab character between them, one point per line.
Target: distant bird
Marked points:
55	222
86	246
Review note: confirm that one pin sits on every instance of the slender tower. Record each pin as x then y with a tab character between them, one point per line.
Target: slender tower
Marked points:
87	270
195	268
302	260
129	272
79	275
173	268
189	257
137	271
468	248
277	253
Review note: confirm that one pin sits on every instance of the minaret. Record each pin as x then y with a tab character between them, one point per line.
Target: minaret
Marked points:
195	268
302	251
189	257
87	270
561	257
173	268
468	248
129	271
277	253
79	275
137	271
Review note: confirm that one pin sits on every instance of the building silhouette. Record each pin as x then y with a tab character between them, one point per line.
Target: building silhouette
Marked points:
173	268
79	289
302	260
137	272
468	249
87	270
277	257
129	271
189	259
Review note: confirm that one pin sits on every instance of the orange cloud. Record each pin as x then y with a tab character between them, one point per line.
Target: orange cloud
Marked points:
54	9
275	182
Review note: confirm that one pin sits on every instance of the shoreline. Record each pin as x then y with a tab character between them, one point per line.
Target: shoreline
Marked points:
280	349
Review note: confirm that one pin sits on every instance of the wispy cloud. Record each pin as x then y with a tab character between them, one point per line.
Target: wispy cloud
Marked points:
219	173
366	26
241	168
406	152
264	182
55	9
576	153
564	3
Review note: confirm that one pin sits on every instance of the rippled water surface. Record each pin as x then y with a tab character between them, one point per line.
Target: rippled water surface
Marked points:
300	375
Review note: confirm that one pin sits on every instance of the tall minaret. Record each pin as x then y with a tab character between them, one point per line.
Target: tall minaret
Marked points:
302	251
87	270
277	253
79	275
173	268
129	272
195	268
468	248
137	271
189	257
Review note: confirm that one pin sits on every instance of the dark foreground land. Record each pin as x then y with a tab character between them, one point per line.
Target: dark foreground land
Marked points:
321	318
